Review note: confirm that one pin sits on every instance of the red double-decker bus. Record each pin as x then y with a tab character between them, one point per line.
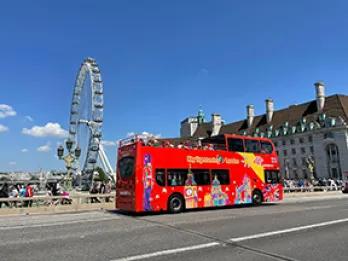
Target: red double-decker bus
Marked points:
221	171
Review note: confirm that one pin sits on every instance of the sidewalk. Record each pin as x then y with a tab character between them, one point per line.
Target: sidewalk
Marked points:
313	196
59	209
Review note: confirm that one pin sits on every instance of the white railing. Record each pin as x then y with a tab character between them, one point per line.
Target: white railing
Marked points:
74	202
312	189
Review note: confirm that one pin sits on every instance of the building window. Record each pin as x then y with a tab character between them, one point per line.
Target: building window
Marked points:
304	173
328	135
332	153
283	142
292	141
294	162
310	138
301	140
293	151
304	163
312	149
303	150
285	153
333	159
295	175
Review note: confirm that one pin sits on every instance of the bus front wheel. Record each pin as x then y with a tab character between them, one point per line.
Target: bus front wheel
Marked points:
257	197
176	204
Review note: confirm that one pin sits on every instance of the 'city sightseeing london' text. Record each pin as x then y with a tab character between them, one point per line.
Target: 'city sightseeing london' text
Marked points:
212	160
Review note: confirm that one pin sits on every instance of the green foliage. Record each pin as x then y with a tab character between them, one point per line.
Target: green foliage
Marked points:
101	175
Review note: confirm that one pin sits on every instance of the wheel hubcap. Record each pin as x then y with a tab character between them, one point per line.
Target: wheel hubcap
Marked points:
256	197
176	204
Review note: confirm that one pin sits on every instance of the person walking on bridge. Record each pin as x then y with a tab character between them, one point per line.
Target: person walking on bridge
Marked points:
332	184
4	194
29	194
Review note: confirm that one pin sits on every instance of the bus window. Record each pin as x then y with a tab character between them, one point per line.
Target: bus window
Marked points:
252	146
126	167
266	147
201	176
177	177
235	145
222	175
272	176
160	178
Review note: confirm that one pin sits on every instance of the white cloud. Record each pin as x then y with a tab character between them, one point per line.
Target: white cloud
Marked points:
29	118
12	163
145	133
44	148
3	128
108	143
24	150
49	130
6	111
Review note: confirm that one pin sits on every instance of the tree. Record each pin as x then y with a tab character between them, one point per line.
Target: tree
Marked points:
101	174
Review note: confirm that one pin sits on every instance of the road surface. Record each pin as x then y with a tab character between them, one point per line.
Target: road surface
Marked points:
311	230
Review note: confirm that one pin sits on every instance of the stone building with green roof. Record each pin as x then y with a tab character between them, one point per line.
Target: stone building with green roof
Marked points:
312	131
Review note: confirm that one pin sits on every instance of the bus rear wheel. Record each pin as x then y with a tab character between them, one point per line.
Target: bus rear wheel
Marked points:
257	197
176	204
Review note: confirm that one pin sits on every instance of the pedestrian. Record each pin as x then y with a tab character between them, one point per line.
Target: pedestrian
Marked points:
301	184
13	194
95	190
107	190
66	198
4	194
22	191
29	194
333	184
55	189
102	188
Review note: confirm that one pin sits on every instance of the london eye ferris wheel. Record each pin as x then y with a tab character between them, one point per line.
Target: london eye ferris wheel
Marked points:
86	118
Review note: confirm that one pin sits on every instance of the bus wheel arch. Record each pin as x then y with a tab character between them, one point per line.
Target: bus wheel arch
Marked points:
176	203
257	197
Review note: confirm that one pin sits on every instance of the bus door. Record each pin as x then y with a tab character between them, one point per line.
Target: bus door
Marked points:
125	188
273	190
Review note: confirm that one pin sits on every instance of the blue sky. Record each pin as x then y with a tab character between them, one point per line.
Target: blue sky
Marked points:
160	60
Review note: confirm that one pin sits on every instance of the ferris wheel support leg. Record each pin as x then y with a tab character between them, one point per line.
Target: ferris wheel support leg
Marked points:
105	162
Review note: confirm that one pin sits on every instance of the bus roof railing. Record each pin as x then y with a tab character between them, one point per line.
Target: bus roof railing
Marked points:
136	138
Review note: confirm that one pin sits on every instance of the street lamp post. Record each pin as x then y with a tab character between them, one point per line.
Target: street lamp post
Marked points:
69	160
